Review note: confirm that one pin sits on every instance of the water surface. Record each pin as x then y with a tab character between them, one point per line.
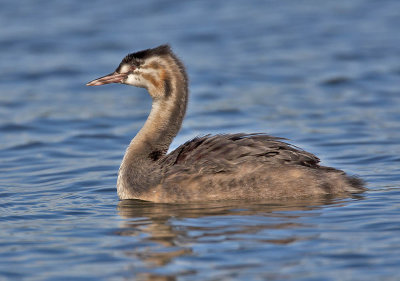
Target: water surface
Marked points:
325	76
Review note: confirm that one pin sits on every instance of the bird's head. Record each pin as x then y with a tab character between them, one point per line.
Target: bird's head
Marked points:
150	69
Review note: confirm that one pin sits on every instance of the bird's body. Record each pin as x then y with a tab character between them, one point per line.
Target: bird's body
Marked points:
220	167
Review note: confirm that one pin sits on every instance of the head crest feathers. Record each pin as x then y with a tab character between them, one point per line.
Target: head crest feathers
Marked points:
141	55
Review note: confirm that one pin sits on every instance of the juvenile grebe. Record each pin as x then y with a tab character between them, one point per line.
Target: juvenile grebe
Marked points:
220	167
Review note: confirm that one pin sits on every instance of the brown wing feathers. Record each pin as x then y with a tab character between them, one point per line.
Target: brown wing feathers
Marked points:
237	148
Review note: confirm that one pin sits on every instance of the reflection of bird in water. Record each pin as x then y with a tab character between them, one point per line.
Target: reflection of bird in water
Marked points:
167	234
226	166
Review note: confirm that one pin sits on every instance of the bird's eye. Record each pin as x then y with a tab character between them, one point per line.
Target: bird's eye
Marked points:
137	62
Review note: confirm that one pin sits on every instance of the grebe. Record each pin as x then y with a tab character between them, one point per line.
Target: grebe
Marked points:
219	167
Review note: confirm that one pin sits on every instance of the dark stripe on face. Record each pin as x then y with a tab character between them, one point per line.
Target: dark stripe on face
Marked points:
167	87
155	65
151	79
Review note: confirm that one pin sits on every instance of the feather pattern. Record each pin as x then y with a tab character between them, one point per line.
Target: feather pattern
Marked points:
236	149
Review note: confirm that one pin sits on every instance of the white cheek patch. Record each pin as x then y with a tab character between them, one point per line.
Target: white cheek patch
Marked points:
134	80
131	79
125	68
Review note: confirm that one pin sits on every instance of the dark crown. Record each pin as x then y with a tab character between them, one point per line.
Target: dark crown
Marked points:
142	55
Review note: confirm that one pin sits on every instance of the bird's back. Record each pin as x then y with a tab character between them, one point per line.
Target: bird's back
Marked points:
245	166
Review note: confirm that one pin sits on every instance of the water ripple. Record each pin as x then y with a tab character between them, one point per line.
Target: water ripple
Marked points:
324	76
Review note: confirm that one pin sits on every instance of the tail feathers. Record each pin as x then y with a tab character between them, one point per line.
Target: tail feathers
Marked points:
355	184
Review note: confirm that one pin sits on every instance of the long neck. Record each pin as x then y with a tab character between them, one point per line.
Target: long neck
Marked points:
153	140
161	127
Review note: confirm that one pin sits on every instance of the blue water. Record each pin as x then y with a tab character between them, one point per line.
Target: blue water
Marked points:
324	74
